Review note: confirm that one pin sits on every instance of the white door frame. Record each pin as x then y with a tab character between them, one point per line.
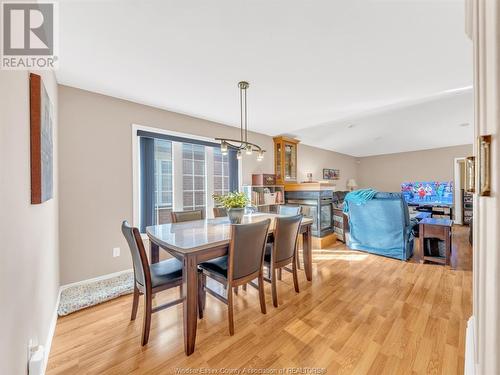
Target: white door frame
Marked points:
482	20
457	186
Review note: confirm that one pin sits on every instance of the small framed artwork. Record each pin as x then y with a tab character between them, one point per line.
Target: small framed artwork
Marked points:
41	139
331	174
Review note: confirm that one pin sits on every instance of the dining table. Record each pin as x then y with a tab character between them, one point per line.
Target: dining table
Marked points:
194	242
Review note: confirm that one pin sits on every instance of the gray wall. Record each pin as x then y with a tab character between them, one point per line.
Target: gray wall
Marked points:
387	172
313	160
29	268
96	173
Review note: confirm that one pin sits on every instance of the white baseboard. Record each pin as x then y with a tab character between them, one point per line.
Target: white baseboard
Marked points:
50	334
470	365
94	279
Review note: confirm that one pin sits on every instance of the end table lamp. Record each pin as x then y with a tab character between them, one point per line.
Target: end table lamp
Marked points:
351	184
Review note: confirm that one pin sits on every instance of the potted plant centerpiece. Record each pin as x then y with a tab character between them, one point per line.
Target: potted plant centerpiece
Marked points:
234	203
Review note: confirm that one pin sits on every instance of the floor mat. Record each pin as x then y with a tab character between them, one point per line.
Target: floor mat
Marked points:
80	296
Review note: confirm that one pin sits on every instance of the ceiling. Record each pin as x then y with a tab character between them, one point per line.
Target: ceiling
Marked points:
314	67
438	121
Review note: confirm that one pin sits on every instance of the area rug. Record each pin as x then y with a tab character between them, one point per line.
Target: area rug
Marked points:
80	296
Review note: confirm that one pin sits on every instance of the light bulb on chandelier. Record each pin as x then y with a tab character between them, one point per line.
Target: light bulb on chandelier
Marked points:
260	156
223	148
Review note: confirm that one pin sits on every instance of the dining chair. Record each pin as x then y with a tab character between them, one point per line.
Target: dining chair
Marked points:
150	279
289	210
282	252
220	212
242	265
286	210
180	216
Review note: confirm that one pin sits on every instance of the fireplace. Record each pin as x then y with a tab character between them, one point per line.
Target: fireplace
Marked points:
317	205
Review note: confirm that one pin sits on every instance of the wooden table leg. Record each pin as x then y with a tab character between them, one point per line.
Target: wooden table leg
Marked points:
307	252
154	252
447	242
420	255
190	291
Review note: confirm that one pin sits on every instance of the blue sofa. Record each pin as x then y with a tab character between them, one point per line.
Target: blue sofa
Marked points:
381	226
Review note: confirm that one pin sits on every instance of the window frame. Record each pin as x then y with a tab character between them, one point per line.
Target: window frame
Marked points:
136	168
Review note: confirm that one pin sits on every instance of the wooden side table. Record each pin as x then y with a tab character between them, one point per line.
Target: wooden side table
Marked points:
435	228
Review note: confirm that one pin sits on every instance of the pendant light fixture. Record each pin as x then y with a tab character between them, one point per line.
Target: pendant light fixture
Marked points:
242	145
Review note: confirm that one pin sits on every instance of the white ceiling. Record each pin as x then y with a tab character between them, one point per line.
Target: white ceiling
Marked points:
439	121
313	66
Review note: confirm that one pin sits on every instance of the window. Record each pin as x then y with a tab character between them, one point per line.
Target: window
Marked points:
163	187
178	174
193	176
221	172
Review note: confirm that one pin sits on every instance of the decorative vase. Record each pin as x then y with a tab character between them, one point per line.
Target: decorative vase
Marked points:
235	215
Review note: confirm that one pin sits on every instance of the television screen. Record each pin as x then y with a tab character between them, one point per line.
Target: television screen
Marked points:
431	192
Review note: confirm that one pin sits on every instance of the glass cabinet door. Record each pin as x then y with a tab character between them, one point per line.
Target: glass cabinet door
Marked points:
285	159
278	162
290	162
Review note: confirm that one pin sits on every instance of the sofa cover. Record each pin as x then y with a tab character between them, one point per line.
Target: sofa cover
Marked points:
382	226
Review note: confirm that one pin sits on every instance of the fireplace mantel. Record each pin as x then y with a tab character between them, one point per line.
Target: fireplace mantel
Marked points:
310	186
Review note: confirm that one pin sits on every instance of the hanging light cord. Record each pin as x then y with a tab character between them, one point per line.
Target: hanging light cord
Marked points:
246	118
241	114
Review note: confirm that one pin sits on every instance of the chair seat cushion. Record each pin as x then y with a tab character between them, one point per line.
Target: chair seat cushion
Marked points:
217	265
165	271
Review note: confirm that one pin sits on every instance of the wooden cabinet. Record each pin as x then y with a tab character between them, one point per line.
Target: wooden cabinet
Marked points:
285	159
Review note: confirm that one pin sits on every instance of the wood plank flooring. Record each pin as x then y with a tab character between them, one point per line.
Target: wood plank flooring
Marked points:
362	314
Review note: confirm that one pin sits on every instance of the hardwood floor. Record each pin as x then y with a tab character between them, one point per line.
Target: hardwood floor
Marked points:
362	314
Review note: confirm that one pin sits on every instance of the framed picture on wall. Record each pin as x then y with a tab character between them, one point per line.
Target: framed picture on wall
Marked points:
331	174
41	139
